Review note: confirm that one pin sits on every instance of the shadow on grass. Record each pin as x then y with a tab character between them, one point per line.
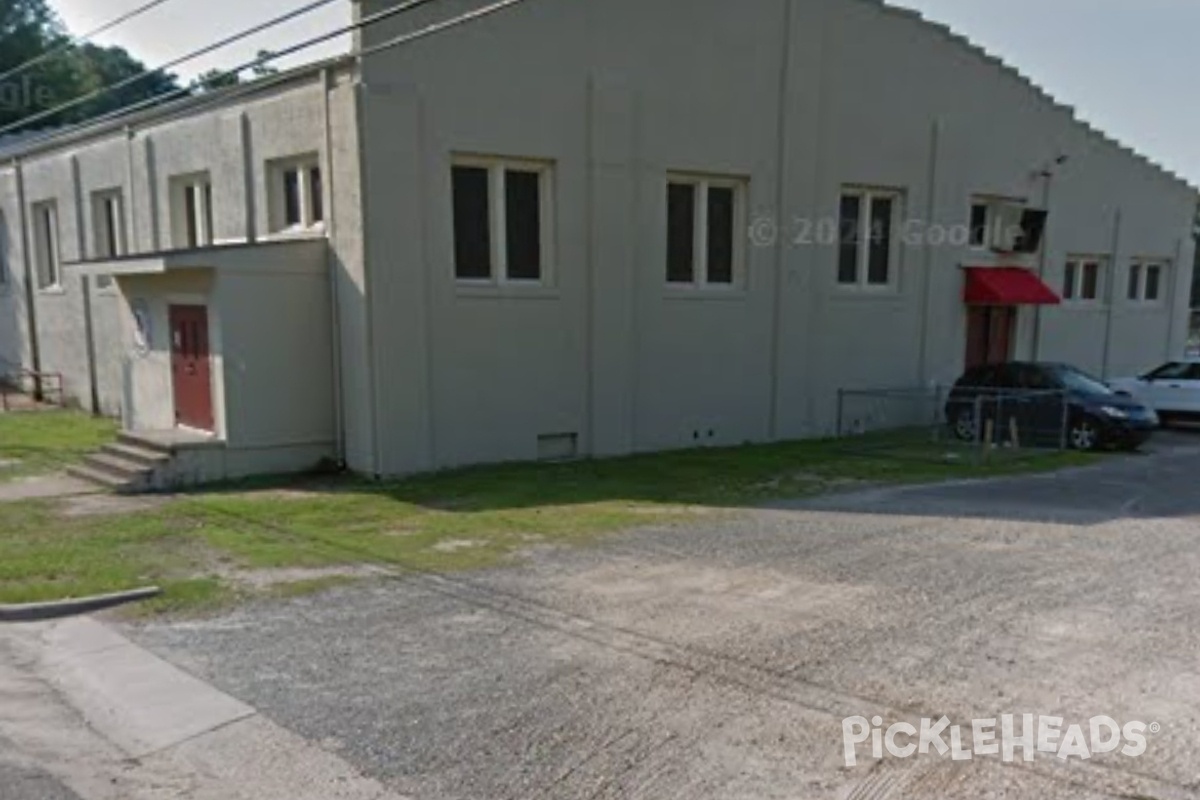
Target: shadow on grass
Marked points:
724	477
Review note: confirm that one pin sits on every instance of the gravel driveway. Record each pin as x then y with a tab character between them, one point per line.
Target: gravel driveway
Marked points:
718	658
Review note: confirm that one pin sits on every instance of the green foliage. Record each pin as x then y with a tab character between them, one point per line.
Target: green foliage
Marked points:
33	443
298	536
29	29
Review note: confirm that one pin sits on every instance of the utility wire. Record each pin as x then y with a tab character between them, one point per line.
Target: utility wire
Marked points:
235	92
75	41
141	76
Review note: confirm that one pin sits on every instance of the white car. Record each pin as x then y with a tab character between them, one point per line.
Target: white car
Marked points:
1173	390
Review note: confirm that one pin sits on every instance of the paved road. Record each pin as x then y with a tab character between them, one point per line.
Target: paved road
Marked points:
718	658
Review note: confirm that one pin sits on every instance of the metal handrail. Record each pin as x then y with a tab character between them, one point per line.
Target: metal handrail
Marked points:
13	378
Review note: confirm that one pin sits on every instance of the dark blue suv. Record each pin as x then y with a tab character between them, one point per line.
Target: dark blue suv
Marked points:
1046	404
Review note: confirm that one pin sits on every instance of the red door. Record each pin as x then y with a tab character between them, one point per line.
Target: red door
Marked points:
190	369
990	334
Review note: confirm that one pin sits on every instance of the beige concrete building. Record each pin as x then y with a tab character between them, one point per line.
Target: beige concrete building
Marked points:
581	229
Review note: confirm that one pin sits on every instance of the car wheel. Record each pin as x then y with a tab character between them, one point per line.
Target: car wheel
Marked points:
964	426
1084	434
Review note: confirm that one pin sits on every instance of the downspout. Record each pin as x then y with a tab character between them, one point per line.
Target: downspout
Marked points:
360	90
1048	177
328	177
1173	300
1111	292
781	144
133	242
935	138
85	283
35	350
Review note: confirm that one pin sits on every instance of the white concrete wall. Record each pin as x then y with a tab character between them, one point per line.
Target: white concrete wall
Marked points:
271	353
277	352
801	97
233	142
149	399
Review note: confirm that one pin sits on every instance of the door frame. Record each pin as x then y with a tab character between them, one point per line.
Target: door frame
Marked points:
988	315
198	302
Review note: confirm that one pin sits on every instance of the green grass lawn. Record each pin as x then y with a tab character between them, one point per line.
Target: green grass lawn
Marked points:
199	546
39	442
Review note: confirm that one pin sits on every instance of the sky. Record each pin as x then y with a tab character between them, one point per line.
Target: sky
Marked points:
1127	66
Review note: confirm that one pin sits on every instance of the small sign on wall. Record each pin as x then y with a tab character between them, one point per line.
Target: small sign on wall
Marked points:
142	328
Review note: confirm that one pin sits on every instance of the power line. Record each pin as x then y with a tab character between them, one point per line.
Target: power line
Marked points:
141	76
256	86
73	42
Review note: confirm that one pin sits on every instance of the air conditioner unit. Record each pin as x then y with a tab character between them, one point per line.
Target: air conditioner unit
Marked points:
1005	226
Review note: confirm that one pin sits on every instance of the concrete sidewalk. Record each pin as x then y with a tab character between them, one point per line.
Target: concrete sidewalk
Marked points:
86	714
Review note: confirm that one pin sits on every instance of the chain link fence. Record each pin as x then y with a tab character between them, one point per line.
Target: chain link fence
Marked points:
952	424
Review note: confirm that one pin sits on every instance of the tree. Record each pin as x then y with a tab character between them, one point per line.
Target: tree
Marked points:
217	79
264	68
29	29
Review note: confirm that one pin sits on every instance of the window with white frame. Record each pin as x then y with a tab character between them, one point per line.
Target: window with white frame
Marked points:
980	224
704	218
296	198
47	257
1147	281
502	220
868	245
192	211
1083	279
108	229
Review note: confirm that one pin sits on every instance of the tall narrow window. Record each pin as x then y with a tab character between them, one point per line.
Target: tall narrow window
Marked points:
1147	281
472	224
293	205
867	247
192	211
316	189
108	229
721	213
1070	275
502	213
1153	281
681	233
978	230
849	236
1083	278
523	228
295	199
108	224
1135	282
46	245
1090	290
704	217
879	259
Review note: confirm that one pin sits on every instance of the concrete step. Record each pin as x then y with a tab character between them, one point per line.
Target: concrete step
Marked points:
128	471
102	479
143	443
137	454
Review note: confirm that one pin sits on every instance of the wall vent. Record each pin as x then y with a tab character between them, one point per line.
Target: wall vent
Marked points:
558	446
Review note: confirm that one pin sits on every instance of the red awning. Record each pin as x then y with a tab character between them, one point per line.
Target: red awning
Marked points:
1007	286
